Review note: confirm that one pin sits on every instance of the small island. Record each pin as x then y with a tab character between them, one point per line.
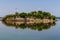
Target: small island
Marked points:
31	17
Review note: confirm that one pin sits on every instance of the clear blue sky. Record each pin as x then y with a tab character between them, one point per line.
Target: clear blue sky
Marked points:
9	6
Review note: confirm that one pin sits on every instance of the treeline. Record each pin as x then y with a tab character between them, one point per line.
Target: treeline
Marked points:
34	14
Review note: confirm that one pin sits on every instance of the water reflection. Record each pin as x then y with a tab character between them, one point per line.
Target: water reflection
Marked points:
32	26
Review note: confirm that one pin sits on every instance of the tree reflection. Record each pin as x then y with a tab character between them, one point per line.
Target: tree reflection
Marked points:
32	26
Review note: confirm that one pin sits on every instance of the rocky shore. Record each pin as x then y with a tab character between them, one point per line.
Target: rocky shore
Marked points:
30	20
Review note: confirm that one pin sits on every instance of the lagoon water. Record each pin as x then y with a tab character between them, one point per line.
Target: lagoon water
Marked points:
13	33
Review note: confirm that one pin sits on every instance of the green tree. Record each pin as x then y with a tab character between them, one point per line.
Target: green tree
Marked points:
23	14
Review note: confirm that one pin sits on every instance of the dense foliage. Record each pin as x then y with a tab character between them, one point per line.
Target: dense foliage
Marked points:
35	14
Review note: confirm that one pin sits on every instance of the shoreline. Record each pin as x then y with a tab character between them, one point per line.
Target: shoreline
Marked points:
30	20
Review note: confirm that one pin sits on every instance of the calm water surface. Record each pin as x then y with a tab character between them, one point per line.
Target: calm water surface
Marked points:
12	33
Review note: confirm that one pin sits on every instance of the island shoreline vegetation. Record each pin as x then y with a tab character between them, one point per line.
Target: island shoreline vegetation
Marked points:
30	16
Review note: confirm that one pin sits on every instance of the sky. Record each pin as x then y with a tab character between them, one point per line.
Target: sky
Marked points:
11	6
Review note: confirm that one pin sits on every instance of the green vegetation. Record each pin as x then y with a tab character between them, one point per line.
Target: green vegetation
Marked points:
34	14
34	26
42	19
